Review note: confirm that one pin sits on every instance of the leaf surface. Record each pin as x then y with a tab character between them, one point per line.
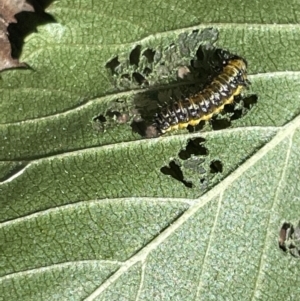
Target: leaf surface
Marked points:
93	214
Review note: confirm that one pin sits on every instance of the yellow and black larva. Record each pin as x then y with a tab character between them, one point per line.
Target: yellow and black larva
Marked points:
211	100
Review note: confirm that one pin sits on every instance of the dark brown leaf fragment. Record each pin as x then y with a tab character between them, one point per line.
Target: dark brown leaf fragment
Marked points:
8	10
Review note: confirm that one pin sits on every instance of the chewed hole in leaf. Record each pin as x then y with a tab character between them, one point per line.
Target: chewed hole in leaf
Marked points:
147	71
139	78
216	166
284	234
99	123
196	166
196	128
242	106
175	172
234	111
193	161
194	147
113	114
149	54
200	54
126	76
117	113
134	57
220	124
113	64
160	62
289	239
250	101
100	118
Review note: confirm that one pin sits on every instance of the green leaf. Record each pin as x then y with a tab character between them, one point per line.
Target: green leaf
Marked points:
93	211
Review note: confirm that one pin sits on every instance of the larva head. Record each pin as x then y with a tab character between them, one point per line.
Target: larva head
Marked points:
228	58
238	62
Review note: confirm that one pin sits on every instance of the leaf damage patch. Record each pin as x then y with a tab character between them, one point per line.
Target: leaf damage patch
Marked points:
169	74
193	167
147	66
116	113
289	239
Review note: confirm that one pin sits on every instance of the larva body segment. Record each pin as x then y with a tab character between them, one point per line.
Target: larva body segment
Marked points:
208	102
